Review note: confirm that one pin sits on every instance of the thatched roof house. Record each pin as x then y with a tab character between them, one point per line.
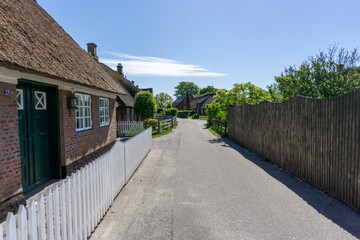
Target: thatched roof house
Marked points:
58	107
31	41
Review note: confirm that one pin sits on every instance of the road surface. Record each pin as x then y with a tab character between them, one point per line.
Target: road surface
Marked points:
193	185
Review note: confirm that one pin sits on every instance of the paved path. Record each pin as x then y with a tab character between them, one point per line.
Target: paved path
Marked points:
195	186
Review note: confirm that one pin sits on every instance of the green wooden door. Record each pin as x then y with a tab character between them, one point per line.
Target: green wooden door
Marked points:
35	136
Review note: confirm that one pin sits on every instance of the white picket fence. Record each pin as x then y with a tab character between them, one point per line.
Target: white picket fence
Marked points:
129	128
73	209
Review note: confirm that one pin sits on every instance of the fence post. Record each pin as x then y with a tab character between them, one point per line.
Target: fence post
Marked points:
10	227
32	220
41	217
63	211
68	208
159	129
1	232
49	215
22	223
56	206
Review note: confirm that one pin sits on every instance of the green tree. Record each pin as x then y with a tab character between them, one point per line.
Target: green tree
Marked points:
162	99
207	89
274	93
145	105
186	87
239	95
321	76
169	105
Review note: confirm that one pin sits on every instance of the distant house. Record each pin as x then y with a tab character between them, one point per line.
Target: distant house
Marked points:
125	102
147	90
180	102
57	104
198	105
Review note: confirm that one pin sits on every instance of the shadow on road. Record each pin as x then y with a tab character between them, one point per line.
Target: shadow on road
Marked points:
329	207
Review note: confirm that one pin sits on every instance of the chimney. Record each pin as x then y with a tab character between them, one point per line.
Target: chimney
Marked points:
137	86
92	50
133	82
120	69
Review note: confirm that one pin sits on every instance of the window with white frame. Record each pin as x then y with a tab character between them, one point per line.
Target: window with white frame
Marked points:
128	114
132	114
83	111
104	112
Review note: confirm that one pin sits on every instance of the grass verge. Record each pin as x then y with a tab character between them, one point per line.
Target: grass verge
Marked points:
201	117
213	131
157	134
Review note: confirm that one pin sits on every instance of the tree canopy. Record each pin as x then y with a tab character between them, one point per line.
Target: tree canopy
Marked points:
240	94
186	87
145	105
162	99
208	89
324	75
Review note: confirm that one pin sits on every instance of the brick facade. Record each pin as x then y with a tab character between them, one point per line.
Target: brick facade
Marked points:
78	145
118	114
10	163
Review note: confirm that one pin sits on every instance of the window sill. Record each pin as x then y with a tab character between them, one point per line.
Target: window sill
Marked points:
84	130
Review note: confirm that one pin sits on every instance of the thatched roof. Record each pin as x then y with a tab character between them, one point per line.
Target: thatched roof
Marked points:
177	102
125	100
129	86
32	41
201	102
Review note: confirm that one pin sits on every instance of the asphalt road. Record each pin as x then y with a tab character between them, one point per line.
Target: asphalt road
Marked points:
193	185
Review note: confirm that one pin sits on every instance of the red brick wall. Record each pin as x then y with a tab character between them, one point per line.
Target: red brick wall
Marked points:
80	144
10	163
182	105
118	112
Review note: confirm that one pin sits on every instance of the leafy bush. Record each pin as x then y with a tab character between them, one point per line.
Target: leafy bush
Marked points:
195	116
159	110
171	111
145	105
152	120
168	105
214	111
183	114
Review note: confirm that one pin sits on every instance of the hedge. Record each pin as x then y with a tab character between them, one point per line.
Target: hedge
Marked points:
184	114
171	111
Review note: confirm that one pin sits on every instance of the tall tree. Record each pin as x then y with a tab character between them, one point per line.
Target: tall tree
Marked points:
145	105
184	87
326	74
207	89
162	99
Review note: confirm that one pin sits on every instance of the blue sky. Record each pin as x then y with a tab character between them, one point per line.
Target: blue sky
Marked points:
219	43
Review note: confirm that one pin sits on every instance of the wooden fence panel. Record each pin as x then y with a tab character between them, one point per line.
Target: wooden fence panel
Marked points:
318	140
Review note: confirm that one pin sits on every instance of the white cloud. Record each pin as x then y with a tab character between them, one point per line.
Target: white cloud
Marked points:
153	66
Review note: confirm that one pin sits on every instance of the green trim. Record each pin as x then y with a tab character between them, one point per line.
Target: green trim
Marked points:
53	109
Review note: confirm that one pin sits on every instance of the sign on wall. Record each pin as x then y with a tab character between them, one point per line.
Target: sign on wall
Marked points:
6	92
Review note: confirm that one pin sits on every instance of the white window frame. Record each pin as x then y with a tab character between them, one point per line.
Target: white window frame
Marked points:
132	115
20	92
81	110
104	111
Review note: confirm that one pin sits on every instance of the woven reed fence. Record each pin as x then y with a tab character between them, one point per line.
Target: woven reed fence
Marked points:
317	140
